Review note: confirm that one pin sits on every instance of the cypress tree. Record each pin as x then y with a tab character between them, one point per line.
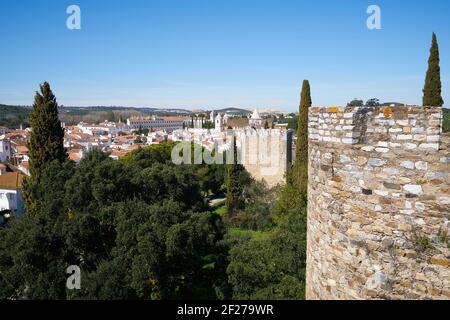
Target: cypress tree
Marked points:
300	168
47	135
432	89
293	197
233	182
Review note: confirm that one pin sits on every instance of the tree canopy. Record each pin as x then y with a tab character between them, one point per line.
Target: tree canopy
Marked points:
47	134
355	103
432	88
138	229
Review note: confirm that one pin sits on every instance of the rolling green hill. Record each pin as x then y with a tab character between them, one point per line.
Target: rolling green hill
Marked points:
13	116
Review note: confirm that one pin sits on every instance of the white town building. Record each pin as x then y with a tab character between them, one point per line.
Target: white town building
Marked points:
256	120
11	193
5	150
155	123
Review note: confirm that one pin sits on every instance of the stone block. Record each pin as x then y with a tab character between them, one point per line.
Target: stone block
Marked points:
429	146
368	148
404	137
421	165
382	150
407	164
413	188
375	162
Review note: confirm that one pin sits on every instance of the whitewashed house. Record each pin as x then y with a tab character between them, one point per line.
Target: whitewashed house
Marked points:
11	193
3	130
5	150
256	120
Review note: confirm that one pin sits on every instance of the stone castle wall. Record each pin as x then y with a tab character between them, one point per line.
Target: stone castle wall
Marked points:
378	204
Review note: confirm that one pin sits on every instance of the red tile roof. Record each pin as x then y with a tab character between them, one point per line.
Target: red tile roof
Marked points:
22	149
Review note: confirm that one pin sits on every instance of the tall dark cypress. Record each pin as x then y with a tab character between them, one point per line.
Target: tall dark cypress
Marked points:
300	168
432	89
233	182
47	134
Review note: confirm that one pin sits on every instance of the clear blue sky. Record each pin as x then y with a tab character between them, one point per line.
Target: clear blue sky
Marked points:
215	53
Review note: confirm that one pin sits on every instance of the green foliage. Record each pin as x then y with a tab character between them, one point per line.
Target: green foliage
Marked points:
33	252
299	171
162	253
208	124
146	156
355	103
14	116
374	102
46	141
47	136
236	178
138	229
258	205
211	178
221	209
432	89
422	242
290	201
142	131
110	116
292	122
272	267
238	233
446	120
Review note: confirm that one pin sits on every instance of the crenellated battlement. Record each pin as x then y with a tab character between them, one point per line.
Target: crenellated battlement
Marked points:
378	204
407	127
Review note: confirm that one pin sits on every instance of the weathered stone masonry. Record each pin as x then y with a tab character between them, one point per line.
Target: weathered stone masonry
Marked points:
378	204
266	153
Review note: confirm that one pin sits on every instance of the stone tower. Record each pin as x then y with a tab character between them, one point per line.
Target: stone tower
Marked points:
218	122
255	120
266	153
378	204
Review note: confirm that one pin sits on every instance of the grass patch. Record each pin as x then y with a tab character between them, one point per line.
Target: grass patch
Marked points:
255	235
422	242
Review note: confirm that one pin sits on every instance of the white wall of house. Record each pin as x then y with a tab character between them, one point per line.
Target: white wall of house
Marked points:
155	124
12	200
5	150
24	170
